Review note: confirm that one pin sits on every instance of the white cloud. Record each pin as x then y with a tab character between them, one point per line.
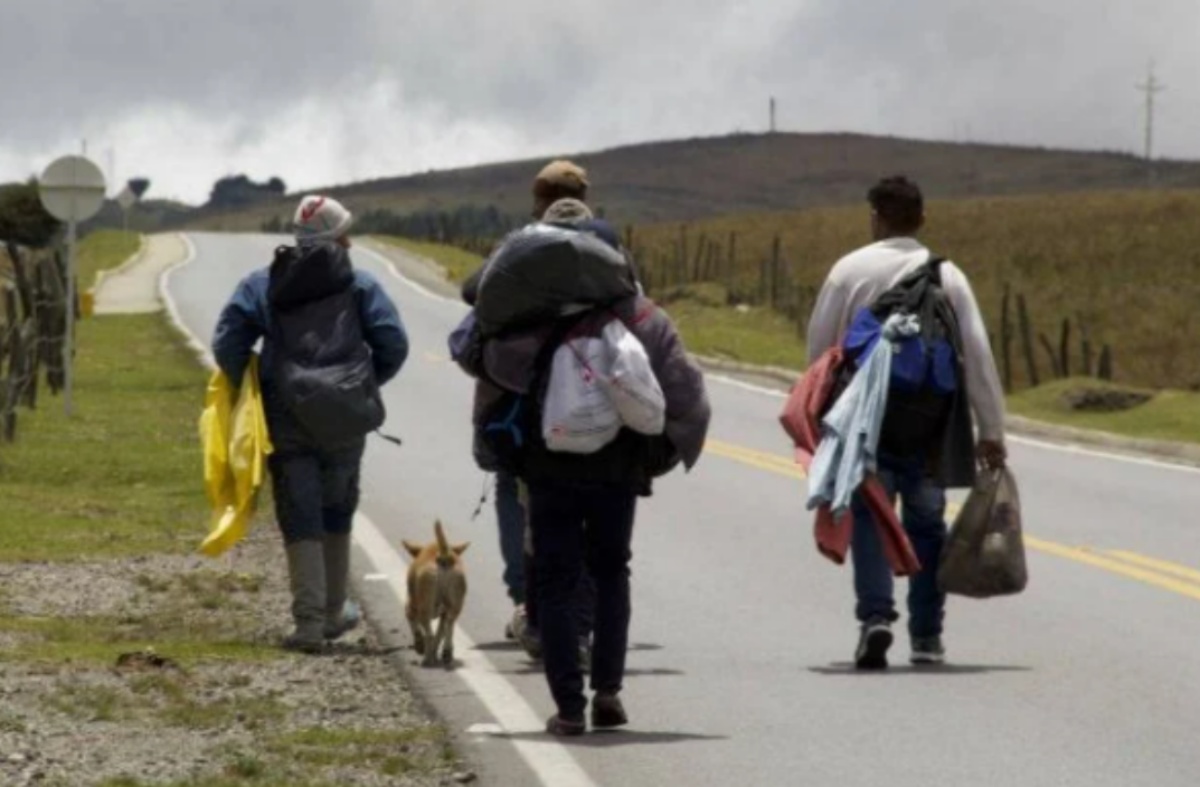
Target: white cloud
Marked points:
320	93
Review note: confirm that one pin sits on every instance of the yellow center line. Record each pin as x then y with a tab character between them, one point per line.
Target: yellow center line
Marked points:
773	463
1152	571
1100	560
1161	566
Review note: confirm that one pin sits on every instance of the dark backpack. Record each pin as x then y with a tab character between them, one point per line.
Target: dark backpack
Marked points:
322	365
926	370
511	422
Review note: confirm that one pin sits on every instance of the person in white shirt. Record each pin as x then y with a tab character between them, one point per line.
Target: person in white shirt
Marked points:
855	282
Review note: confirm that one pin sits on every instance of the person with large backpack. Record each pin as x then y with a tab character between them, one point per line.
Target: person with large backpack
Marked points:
559	194
550	291
939	377
331	338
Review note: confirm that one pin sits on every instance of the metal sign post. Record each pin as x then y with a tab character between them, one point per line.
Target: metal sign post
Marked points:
126	200
69	336
72	190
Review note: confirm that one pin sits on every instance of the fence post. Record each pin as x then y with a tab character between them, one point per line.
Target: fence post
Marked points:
1006	338
1105	370
1064	345
731	263
775	272
1027	342
18	265
1085	341
1055	366
20	336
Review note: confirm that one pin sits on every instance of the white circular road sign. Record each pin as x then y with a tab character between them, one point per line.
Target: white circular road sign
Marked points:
126	198
72	188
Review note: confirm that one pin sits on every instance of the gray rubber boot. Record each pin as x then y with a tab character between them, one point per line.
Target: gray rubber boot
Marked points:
306	570
341	614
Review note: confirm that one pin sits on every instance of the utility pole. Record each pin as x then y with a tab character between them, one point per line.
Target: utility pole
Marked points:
772	114
1151	87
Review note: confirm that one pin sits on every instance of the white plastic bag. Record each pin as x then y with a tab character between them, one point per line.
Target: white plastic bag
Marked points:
578	416
596	386
631	384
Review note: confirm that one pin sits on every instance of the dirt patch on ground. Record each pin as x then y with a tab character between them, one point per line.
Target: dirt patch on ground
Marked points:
1104	400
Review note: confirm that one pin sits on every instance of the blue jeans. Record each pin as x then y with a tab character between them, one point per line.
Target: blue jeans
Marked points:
315	492
582	529
924	519
510	516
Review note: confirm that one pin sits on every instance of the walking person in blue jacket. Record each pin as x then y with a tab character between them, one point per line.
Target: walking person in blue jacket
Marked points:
320	376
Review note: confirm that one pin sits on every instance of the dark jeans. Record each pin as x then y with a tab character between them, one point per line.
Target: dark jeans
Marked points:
924	518
574	523
315	492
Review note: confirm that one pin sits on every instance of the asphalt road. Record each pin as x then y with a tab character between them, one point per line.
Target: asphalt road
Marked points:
742	634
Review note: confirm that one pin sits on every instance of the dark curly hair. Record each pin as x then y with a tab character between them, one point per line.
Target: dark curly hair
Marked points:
898	203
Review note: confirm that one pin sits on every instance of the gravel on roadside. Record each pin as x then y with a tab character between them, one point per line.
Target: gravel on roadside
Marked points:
166	718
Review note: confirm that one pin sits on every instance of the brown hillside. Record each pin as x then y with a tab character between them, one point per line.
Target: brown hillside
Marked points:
699	178
1122	267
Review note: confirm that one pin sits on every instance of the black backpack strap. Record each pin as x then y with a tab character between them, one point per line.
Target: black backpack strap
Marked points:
934	264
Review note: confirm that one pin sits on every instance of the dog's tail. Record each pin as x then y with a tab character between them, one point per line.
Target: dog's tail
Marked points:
444	553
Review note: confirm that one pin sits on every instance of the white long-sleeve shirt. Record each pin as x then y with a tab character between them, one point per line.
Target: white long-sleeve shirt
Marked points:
863	275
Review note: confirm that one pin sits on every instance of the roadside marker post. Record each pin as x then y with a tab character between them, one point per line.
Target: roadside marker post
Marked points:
72	190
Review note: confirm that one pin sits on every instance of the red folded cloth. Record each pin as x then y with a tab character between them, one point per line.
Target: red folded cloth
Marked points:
801	419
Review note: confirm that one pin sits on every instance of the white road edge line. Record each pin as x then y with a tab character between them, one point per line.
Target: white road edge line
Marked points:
164	293
421	289
550	761
1065	448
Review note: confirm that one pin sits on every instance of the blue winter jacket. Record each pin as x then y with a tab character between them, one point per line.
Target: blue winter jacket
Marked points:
246	318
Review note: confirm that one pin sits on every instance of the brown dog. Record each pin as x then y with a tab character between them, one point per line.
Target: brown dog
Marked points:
437	588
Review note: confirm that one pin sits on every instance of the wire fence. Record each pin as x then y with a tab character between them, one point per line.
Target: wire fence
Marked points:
32	331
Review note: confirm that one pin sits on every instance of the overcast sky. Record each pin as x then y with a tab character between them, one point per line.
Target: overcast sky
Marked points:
321	92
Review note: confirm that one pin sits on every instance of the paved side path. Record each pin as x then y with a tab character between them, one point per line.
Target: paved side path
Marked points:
133	287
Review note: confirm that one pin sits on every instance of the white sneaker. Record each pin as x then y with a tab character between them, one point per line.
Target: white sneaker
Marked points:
513	629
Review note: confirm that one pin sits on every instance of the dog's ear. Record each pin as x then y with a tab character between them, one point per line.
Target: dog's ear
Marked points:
458	549
411	548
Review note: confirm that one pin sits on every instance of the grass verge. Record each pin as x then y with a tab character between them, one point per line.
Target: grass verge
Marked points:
756	335
119	477
457	263
1169	415
108	503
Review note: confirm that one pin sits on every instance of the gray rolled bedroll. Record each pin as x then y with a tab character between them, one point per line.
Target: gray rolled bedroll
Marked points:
542	270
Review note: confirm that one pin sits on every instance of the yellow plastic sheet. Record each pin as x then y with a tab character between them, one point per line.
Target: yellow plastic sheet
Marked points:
233	431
